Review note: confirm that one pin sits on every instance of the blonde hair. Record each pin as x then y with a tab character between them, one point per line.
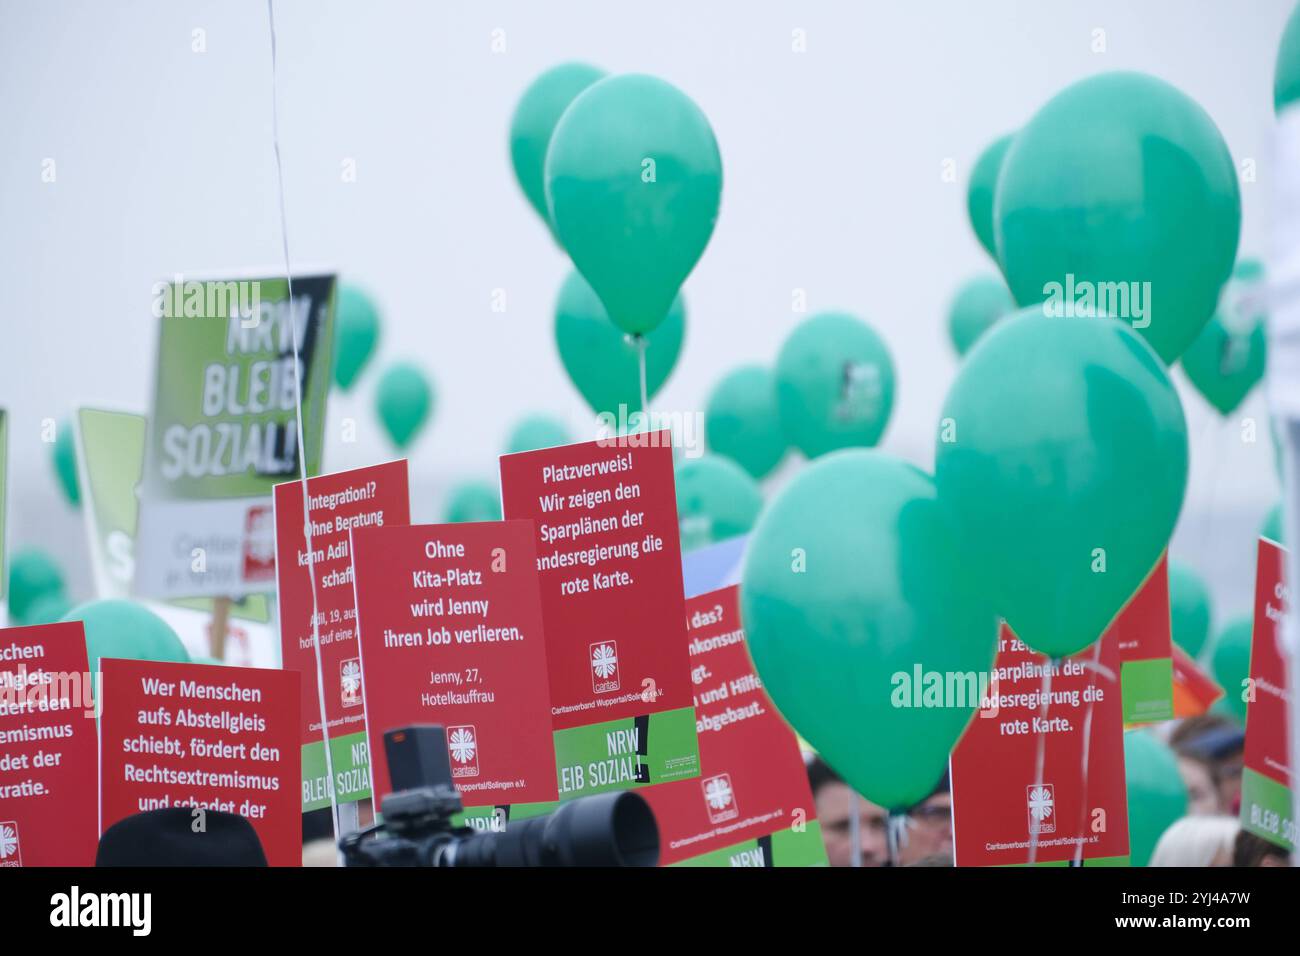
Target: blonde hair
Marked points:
1196	841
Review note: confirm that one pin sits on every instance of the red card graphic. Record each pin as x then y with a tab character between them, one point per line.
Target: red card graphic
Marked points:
376	496
752	779
610	567
48	768
996	815
451	633
202	735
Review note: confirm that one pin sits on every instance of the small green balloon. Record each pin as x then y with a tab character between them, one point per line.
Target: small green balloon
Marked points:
537	431
127	630
834	384
1228	358
1189	608
742	422
1230	664
473	501
404	400
1050	425
633	184
356	333
1272	527
979	303
851	580
47	609
33	574
1120	198
1286	72
716	500
531	127
64	452
1157	795
980	192
603	362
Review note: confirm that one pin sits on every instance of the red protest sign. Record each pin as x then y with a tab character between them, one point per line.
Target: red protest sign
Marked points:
1144	634
996	816
204	736
609	562
375	496
1266	779
48	767
751	805
450	625
1194	690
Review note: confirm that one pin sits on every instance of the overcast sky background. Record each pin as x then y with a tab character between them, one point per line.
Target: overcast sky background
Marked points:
833	184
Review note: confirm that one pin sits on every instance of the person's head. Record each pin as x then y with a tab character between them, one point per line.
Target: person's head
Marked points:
833	800
1219	740
1202	789
1251	850
929	827
1197	841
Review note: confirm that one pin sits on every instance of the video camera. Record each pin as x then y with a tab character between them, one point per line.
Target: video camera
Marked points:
611	829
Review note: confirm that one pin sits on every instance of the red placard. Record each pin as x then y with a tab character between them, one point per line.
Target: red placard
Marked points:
752	781
366	497
997	814
202	735
48	768
610	566
1194	690
450	625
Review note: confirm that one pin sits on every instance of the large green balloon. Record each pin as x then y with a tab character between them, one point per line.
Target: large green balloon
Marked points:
33	574
537	431
403	400
1272	526
1230	664
1063	450
539	109
741	421
633	183
1228	358
1157	795
128	630
1189	608
1286	72
980	192
602	361
852	579
716	500
473	501
834	384
48	608
64	457
1120	198
356	332
979	303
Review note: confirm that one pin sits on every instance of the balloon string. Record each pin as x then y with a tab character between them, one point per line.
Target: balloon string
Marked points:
855	828
1041	759
302	450
897	834
1095	666
641	345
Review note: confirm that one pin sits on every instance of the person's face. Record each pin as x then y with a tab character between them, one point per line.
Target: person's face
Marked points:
833	804
1202	795
929	830
1229	772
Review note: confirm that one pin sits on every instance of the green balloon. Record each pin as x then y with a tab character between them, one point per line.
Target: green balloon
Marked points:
1157	795
537	431
473	501
851	580
834	384
1230	664
128	630
979	303
539	109
1189	608
980	192
602	361
741	420
404	400
356	332
633	184
716	500
33	574
64	452
47	608
1286	73
1228	358
1272	527
1120	198
1063	451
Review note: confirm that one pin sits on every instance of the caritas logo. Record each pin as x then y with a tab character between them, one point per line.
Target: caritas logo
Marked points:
259	544
720	798
604	666
350	682
462	746
10	850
